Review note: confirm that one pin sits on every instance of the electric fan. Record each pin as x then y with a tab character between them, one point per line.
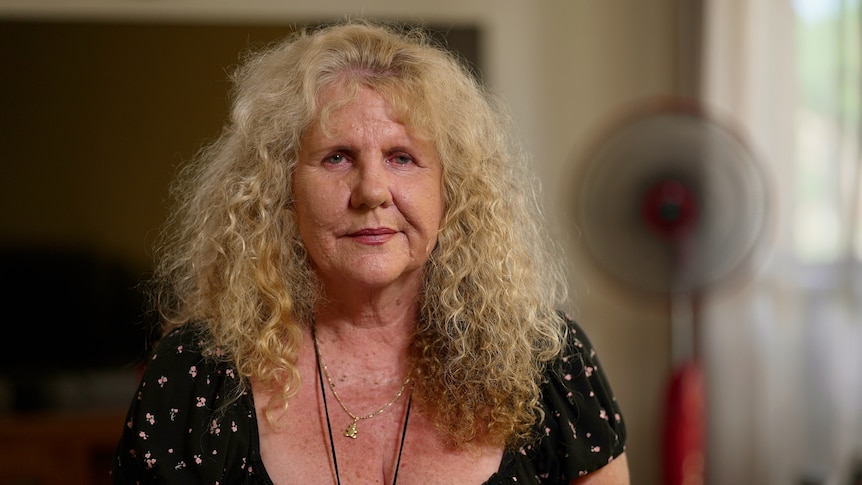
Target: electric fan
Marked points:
672	203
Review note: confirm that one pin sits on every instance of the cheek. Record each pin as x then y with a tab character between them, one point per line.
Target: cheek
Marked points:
436	207
317	208
430	209
437	202
304	204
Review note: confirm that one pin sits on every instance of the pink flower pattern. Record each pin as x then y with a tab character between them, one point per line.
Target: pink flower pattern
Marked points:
182	429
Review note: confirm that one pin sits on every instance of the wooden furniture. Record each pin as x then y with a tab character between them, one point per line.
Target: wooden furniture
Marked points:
68	448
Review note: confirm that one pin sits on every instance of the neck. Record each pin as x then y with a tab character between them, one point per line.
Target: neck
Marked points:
368	304
367	360
369	313
375	335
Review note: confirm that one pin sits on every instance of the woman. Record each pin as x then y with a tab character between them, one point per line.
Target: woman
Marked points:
357	289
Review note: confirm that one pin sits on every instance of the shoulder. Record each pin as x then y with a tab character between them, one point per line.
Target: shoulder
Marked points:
579	376
583	427
179	349
189	416
178	371
181	344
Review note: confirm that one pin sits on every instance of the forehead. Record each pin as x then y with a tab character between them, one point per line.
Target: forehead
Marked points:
337	98
395	105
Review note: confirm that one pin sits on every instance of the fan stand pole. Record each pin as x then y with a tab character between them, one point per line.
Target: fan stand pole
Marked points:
684	423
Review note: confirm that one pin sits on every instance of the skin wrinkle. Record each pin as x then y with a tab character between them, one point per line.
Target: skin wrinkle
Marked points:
490	231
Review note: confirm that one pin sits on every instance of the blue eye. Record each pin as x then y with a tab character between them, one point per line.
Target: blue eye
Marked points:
402	159
335	159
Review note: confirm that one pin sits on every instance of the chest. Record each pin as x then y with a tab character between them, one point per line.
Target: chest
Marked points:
299	449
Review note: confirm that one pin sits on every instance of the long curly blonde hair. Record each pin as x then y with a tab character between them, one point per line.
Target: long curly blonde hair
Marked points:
231	260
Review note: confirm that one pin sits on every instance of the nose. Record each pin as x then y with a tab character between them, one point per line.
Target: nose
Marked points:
370	186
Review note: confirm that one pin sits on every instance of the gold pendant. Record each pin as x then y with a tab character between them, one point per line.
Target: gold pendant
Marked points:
350	432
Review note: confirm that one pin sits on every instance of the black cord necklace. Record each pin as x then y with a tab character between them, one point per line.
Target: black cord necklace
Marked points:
329	426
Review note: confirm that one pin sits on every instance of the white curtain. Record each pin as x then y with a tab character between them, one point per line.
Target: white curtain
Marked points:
783	349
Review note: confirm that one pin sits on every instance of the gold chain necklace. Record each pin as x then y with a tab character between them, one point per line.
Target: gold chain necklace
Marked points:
351	431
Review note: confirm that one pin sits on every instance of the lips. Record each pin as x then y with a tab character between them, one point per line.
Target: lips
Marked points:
379	231
376	235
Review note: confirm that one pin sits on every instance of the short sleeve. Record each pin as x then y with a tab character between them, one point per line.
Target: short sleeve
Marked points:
583	428
177	430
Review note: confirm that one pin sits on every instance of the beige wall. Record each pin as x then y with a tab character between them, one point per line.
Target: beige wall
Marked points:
566	67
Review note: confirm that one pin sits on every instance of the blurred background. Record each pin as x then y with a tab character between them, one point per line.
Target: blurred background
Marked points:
700	160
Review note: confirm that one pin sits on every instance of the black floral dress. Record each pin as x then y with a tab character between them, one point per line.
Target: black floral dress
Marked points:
178	432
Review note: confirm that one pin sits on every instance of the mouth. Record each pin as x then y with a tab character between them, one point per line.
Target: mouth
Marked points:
376	231
373	235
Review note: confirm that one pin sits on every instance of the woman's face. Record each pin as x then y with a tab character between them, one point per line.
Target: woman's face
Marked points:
368	196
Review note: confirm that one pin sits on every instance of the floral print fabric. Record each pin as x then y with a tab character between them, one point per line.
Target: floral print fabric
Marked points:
179	429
